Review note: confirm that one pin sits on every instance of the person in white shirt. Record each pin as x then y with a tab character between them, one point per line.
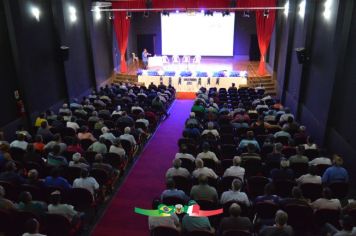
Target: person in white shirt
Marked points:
234	194
141	118
78	161
136	107
211	130
66	210
86	182
236	170
72	124
32	228
326	201
183	154
310	144
311	177
284	117
207	154
117	148
127	136
107	135
177	170
201	170
19	142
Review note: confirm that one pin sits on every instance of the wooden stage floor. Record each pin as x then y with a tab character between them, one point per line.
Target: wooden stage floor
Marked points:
210	64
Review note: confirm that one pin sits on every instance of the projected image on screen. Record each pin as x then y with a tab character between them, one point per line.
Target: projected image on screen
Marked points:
196	34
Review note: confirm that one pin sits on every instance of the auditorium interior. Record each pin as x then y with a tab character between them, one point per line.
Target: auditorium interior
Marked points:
177	117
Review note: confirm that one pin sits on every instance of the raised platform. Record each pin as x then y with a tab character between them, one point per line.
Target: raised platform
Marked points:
236	63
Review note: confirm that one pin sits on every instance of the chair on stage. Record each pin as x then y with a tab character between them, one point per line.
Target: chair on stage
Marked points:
186	59
197	59
175	59
134	58
165	60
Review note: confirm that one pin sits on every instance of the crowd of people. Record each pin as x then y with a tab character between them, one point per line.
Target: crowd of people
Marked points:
76	155
244	152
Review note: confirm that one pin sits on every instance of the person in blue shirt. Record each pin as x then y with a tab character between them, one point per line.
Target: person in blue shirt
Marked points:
171	191
249	139
145	55
55	180
335	173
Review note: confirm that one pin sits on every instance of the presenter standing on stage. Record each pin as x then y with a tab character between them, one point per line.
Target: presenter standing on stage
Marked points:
145	55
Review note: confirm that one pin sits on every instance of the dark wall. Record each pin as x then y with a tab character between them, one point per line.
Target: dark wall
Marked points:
244	27
38	58
31	61
7	72
321	91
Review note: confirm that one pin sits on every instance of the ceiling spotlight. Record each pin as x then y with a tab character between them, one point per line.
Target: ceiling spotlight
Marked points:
97	13
165	13
302	5
36	13
266	13
146	14
72	14
286	8
246	14
225	13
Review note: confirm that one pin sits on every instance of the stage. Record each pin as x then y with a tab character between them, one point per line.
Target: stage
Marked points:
208	65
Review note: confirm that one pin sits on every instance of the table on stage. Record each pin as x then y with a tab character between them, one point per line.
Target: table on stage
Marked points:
193	84
155	61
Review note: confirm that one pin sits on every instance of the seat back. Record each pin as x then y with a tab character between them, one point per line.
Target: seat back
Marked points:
256	185
283	188
188	164
164	231
236	233
183	183
299	169
266	210
299	216
171	201
100	176
36	192
57	225
311	191
80	198
323	216
339	189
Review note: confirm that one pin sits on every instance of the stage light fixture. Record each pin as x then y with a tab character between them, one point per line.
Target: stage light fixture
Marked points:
128	15
146	14
72	14
302	6
266	13
177	11
286	8
202	11
225	13
36	13
208	13
246	14
327	11
97	13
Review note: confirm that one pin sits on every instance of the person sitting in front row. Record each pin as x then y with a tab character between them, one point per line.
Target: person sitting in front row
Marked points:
201	170
235	194
177	170
280	228
235	221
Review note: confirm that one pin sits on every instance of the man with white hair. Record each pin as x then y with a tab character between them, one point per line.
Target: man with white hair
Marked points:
107	134
128	136
177	170
78	161
201	170
211	130
236	170
192	120
64	109
280	228
234	194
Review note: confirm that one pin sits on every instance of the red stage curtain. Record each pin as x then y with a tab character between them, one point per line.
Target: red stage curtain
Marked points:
122	27
264	26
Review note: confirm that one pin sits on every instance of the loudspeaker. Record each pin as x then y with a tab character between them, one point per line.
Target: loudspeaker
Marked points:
64	52
302	55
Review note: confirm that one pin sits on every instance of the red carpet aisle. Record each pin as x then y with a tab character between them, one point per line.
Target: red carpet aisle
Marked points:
146	180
